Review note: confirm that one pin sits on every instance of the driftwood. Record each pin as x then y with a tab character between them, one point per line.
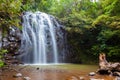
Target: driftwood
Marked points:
106	67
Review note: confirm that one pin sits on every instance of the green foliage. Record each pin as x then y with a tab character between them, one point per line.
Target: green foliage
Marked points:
2	51
109	21
61	8
115	50
9	14
111	7
98	28
1	63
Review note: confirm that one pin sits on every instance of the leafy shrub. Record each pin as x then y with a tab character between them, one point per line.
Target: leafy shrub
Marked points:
2	51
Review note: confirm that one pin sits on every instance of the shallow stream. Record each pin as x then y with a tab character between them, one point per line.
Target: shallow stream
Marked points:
53	72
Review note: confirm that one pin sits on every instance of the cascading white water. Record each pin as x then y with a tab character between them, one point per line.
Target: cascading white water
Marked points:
39	40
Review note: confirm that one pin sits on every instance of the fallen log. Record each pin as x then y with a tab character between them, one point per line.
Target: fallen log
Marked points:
108	68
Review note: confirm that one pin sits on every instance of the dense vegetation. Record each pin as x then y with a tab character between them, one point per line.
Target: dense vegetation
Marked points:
92	27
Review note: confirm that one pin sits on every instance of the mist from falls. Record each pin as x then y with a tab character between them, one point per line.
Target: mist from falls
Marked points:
42	39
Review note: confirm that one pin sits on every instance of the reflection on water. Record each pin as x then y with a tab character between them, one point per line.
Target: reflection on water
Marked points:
53	72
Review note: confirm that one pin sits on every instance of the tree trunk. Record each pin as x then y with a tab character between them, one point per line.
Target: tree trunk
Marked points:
106	67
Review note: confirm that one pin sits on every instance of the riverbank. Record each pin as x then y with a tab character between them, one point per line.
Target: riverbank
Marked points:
52	72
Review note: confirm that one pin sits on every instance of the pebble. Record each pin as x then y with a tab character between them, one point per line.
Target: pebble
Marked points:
38	68
82	78
26	78
95	79
74	78
17	75
92	73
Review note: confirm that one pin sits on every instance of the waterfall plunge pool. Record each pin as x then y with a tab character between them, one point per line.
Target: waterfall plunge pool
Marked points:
54	72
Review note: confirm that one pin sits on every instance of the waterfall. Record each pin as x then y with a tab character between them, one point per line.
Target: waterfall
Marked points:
42	39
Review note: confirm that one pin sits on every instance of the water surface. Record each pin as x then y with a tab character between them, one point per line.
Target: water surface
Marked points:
53	72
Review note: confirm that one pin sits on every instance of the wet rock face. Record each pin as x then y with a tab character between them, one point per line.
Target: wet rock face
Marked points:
12	40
